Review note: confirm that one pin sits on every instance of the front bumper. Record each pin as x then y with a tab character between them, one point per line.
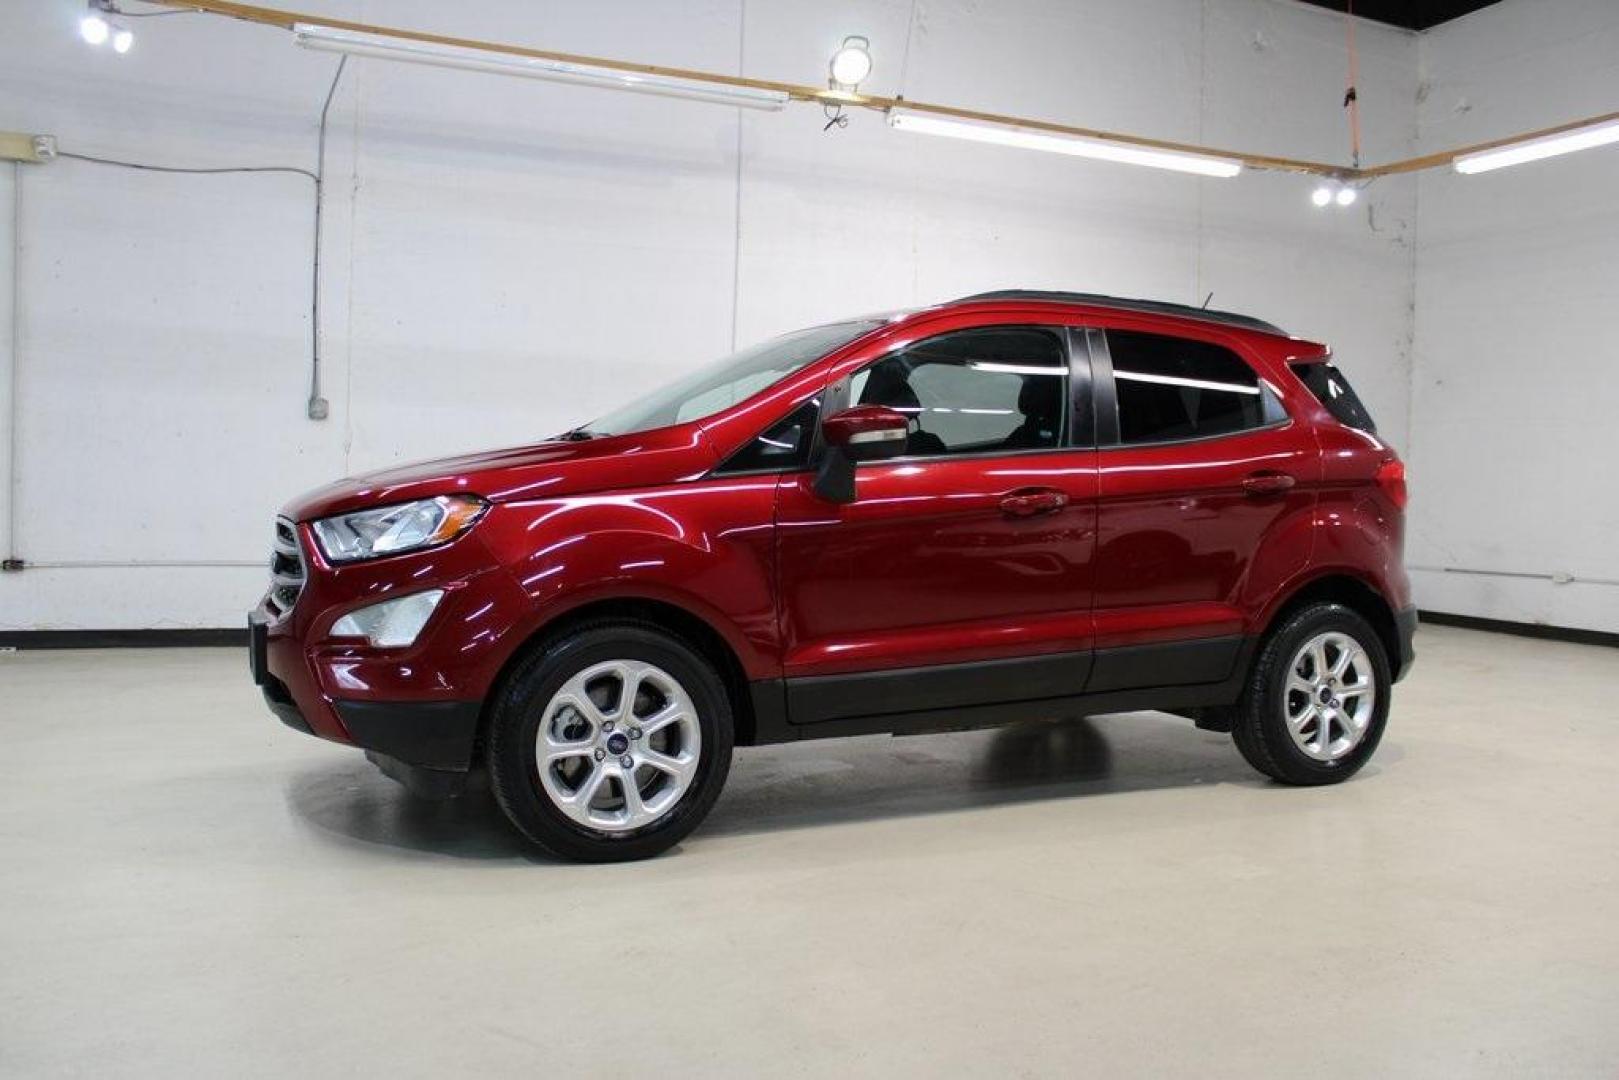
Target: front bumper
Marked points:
423	734
417	706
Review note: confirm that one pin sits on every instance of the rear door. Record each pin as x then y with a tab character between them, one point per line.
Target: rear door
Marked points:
961	573
1205	491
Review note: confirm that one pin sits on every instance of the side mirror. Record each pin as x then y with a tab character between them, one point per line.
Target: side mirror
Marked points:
863	433
867	432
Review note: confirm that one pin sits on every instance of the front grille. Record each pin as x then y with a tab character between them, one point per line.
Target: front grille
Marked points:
286	568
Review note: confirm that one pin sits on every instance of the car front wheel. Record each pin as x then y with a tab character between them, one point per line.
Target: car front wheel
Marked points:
610	743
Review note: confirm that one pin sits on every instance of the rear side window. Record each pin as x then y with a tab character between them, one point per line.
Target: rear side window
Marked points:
1172	388
1330	388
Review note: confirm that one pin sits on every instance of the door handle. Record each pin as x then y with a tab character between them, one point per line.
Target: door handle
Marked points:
1027	503
1267	483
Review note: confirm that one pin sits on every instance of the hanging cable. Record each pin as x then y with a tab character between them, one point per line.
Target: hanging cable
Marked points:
317	406
1352	94
905	56
148	167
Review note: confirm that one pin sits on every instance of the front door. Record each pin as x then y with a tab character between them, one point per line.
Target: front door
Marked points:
961	572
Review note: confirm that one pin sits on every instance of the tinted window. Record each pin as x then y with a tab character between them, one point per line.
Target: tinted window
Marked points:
1330	387
782	448
1171	388
977	391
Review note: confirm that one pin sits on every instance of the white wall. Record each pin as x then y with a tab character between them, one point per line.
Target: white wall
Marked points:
504	258
1515	451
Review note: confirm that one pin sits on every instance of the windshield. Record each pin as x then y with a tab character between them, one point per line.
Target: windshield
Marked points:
726	382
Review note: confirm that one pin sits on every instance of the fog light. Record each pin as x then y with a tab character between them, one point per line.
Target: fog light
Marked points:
392	623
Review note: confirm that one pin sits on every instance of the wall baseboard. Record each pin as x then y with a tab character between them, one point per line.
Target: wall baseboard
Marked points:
237	637
1519	629
121	639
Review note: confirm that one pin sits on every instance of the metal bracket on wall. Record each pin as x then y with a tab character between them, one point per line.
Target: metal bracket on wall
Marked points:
29	149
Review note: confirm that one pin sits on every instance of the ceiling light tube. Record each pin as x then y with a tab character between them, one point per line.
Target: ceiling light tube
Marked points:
406	50
1073	145
1566	142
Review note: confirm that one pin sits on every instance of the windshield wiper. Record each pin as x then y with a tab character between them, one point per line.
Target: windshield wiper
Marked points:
580	434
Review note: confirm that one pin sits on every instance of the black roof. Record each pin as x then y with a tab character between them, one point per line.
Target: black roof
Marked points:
1154	307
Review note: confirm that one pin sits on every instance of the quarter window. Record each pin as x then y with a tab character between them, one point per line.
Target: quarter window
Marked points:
783	447
1330	388
1001	390
1172	388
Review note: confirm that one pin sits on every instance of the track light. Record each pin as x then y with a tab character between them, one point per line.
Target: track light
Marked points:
387	47
97	29
1057	143
1334	191
94	29
1566	142
851	64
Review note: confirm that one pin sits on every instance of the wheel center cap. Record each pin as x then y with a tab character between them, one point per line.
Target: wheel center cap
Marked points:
618	743
1324	695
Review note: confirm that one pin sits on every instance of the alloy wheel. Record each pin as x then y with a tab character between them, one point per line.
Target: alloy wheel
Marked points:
618	745
1330	696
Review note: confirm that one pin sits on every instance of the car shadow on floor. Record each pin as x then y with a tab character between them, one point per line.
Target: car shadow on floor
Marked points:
810	784
785	787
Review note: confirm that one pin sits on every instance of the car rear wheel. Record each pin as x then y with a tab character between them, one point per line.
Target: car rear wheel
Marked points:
610	743
1317	700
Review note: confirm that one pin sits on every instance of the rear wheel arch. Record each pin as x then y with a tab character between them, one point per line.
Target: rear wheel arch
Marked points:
673	619
1353	592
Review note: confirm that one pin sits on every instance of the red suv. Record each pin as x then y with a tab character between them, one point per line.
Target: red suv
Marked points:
1019	505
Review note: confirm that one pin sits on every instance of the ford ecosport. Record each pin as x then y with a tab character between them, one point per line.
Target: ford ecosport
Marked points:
1019	505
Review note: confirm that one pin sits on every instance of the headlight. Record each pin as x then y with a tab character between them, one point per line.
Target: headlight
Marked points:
392	529
391	623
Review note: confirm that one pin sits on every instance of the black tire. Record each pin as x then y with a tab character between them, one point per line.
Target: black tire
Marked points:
514	727
1259	723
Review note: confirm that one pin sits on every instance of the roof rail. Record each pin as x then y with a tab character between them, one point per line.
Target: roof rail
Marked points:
1154	307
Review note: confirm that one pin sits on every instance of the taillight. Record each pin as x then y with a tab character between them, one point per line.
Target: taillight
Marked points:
1391	478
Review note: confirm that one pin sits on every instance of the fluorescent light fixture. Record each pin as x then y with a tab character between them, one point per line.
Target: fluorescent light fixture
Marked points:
407	50
1074	145
1566	142
1176	380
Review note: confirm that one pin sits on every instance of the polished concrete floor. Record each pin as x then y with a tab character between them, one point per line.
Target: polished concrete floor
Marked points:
187	888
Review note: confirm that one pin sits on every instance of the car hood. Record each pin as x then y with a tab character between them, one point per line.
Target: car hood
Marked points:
542	470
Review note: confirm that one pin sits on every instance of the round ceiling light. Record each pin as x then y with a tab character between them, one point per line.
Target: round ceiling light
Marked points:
851	63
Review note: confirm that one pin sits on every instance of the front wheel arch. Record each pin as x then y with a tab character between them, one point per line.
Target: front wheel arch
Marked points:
671	618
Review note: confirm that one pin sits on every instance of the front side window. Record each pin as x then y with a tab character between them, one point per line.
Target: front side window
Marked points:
1000	390
721	385
1171	388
